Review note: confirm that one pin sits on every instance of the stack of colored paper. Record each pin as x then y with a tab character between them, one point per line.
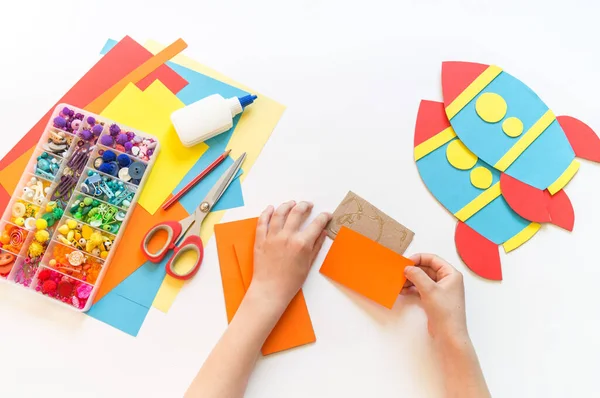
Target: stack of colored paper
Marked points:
141	86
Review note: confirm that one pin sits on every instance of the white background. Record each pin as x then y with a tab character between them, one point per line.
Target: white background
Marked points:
352	74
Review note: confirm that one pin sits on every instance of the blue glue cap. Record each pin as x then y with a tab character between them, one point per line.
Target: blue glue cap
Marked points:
247	100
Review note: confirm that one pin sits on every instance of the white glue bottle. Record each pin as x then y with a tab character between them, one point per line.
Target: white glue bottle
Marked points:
208	117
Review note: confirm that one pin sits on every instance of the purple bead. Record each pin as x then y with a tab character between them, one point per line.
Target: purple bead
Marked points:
66	111
97	130
130	135
86	135
75	124
122	139
128	145
91	120
107	140
114	129
150	152
78	116
60	122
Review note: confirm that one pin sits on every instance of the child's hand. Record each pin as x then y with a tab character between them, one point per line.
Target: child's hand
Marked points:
442	293
283	253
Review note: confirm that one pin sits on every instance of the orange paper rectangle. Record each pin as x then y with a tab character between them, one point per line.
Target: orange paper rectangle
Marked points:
366	267
235	246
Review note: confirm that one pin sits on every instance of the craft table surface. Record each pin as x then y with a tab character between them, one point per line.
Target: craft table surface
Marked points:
352	74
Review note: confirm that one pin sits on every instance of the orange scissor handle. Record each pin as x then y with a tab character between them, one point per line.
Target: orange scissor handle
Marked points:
173	229
190	243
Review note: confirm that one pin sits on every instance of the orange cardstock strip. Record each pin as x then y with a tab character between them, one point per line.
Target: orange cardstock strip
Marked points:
98	105
366	267
128	256
294	327
233	286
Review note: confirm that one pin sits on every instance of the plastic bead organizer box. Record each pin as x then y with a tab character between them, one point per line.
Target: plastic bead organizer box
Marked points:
70	208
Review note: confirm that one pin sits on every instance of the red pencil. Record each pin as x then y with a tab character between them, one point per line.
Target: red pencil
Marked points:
197	179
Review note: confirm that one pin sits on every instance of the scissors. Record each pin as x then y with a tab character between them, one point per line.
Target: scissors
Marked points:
188	230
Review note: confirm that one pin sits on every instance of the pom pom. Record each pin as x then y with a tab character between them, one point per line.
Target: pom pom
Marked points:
60	122
40	223
36	249
48	286
123	160
97	130
42	236
107	140
109	156
66	111
114	129
91	120
44	274
128	146
86	135
122	139
58	213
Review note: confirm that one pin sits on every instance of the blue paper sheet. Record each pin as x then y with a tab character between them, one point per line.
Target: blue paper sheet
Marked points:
126	306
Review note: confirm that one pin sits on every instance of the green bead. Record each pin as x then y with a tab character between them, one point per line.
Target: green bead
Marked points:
77	216
95	203
88	201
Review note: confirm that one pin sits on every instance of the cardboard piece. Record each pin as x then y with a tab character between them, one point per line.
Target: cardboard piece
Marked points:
150	111
124	56
235	246
478	253
537	205
366	267
359	215
582	138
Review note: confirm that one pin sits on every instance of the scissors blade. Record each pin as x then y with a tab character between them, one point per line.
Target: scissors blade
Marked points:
214	195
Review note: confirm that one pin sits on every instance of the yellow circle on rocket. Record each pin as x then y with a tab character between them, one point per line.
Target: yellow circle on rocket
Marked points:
491	107
459	155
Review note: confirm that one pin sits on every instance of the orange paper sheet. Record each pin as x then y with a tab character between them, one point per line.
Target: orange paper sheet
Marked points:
366	267
235	246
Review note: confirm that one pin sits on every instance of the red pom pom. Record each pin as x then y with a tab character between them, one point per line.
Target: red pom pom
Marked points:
65	288
44	274
48	287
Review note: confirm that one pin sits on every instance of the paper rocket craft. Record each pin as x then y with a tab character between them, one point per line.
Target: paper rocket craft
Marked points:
505	124
497	158
470	189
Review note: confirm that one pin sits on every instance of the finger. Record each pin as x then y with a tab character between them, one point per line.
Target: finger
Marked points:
429	271
410	291
420	279
262	227
318	246
439	265
298	215
314	229
279	217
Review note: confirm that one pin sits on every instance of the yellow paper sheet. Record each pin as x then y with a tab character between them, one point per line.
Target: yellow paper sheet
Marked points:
251	134
150	111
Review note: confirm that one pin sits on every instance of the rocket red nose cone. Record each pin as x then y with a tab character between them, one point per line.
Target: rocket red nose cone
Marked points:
456	76
431	120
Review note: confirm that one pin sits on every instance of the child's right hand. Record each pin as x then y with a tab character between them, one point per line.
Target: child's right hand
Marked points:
442	293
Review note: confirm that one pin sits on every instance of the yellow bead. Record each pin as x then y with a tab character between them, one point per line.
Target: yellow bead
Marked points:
103	255
40	223
63	229
72	224
86	231
481	177
20	221
512	127
52	263
491	107
459	155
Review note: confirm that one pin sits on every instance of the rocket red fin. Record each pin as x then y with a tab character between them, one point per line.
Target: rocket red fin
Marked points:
528	202
481	255
456	77
583	140
560	209
536	205
431	120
